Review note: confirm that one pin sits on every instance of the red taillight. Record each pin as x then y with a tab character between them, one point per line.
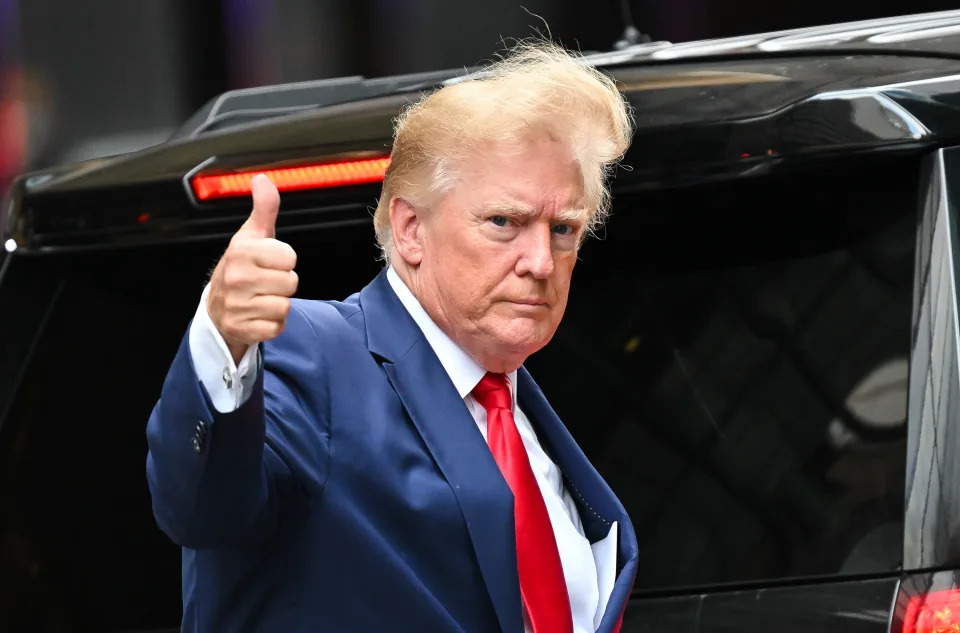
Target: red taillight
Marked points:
317	176
935	612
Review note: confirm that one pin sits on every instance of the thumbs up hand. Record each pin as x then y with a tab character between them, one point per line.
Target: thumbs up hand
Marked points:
251	286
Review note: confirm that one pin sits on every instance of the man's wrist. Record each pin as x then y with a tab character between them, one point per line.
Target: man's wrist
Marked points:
237	350
225	370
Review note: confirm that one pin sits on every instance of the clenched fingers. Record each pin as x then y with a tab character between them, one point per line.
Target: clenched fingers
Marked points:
280	283
263	252
268	307
274	254
249	321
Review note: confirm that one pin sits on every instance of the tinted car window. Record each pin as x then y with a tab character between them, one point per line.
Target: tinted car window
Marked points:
734	361
717	363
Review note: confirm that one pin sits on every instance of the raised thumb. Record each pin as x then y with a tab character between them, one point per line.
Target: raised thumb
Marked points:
266	205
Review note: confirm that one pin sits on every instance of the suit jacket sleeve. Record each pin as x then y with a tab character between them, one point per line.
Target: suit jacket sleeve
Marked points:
220	479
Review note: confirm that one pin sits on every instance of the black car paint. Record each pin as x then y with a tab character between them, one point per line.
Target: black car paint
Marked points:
858	606
931	529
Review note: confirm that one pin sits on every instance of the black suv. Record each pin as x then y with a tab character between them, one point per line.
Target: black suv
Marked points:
767	327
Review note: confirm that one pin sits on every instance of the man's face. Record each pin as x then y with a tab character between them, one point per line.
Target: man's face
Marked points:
499	250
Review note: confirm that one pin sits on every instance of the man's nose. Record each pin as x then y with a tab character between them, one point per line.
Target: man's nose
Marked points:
537	253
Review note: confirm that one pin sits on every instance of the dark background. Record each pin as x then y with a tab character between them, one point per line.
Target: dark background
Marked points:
86	79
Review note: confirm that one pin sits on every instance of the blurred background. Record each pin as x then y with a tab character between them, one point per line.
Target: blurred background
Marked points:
88	79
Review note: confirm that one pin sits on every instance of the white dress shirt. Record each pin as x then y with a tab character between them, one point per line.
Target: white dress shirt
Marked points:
588	570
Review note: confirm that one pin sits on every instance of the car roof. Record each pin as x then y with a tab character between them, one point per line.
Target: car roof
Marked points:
931	33
924	33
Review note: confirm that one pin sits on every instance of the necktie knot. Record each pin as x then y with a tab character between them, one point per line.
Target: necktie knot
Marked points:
493	392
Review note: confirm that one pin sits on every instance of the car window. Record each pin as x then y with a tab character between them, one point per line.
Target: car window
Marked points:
734	361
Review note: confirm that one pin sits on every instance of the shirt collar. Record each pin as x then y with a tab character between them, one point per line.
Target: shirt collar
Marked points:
464	371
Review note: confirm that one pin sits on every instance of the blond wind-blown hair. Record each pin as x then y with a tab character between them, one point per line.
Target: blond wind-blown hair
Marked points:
536	91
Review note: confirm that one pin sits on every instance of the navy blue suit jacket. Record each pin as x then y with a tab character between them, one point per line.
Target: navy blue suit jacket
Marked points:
352	491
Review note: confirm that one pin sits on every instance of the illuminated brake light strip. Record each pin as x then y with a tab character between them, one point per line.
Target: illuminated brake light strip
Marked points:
340	174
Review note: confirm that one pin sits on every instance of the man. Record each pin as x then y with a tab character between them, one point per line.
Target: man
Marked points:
385	463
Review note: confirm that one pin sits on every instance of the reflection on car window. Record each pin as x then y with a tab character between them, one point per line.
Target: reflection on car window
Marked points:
741	384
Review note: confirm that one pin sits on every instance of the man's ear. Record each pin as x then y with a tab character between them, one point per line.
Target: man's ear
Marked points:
407	229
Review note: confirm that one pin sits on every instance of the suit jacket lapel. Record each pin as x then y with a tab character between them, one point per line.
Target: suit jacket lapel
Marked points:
599	507
453	439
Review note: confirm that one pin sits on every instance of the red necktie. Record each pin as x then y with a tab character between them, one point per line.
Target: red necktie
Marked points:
542	585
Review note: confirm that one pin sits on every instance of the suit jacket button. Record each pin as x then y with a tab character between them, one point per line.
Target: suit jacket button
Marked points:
197	444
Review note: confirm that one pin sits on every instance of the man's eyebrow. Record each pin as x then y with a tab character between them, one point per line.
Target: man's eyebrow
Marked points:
518	209
572	215
509	208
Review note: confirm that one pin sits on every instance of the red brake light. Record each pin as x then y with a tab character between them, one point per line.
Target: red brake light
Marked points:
935	612
212	186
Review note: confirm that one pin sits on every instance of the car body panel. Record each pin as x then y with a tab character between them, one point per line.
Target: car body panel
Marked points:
917	34
861	606
931	526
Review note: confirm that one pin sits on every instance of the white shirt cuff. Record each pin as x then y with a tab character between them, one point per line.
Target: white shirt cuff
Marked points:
228	384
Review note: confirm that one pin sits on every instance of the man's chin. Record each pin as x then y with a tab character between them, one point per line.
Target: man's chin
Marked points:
523	347
511	340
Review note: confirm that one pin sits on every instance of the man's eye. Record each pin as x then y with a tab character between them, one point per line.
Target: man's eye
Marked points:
563	229
500	220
